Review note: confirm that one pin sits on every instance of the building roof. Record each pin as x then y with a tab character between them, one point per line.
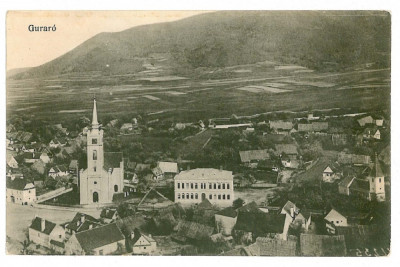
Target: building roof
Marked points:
359	236
313	127
346	182
282	125
37	224
205	204
376	170
322	245
365	120
73	164
250	207
204	174
108	213
168	167
288	149
228	212
98	237
260	223
18	183
77	225
157	171
250	155
57	243
360	185
276	247
290	205
193	230
112	160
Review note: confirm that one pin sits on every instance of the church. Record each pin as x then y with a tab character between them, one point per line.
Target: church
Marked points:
104	175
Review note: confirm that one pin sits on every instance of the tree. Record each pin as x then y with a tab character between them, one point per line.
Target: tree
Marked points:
237	203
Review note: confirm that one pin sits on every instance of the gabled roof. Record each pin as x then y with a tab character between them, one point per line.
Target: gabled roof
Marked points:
228	212
365	120
328	170
376	170
78	226
261	223
290	205
108	213
283	125
333	214
18	183
157	171
250	207
112	160
168	167
98	237
346	182
205	173
359	236
249	155
37	224
276	247
360	185
288	149
322	245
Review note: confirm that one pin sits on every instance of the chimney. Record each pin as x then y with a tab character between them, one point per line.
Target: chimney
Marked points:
132	235
82	218
292	212
42	225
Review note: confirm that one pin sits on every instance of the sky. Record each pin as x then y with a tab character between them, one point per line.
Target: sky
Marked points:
30	49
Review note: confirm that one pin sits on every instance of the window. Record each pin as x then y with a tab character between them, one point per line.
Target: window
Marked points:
219	186
195	186
179	196
94	141
183	195
227	186
94	182
191	185
144	247
337	221
187	185
210	196
223	196
209	186
115	188
94	169
223	186
191	196
187	195
380	180
228	197
29	191
219	196
196	196
94	154
179	185
215	186
183	186
59	236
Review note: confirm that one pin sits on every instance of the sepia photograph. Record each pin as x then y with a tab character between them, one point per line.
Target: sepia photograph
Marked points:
198	133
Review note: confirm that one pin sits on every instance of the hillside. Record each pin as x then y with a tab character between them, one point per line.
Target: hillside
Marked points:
317	40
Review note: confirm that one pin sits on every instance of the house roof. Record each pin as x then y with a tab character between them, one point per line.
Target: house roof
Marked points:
205	204
365	120
98	237
322	245
204	173
193	230
283	125
168	167
346	182
313	127
73	164
360	185
18	183
250	207
288	149
260	223
76	224
276	247
57	243
290	205
108	213
37	224
228	212
112	160
249	155
333	214
157	171
359	236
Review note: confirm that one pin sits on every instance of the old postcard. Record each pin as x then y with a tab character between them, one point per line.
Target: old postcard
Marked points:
219	133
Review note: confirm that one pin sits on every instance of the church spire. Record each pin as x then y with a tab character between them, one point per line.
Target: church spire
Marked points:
95	123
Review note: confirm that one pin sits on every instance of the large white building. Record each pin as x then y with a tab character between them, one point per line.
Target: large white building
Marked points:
104	175
215	185
20	190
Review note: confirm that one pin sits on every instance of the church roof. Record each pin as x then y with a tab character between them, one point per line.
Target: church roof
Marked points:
112	160
376	170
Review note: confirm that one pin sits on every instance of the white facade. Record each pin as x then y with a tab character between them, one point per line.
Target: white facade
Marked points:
24	196
144	245
193	186
98	185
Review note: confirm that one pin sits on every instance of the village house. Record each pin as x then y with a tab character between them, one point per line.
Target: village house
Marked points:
109	215
379	121
157	173
73	167
334	219
281	127
39	166
267	246
225	220
290	210
193	186
47	234
313	127
141	244
344	185
103	240
11	161
20	190
81	222
354	159
251	158
45	157
371	133
58	171
168	169
331	173
126	127
365	120
289	150
30	157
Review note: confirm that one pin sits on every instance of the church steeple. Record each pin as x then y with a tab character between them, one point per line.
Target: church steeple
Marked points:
95	123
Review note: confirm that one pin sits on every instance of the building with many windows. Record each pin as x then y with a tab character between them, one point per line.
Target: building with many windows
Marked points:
192	186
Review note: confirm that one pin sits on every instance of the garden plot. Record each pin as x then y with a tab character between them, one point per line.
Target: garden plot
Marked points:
175	93
262	89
